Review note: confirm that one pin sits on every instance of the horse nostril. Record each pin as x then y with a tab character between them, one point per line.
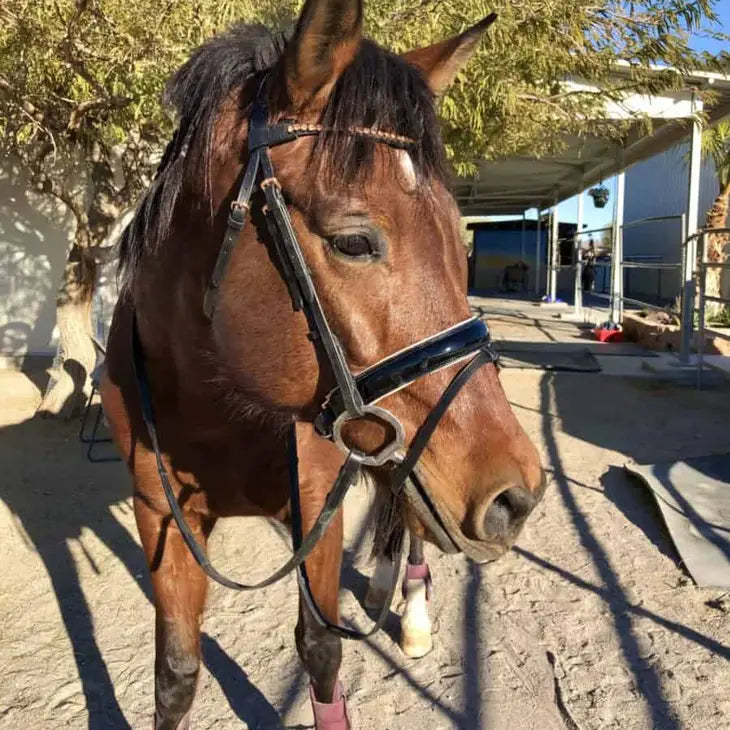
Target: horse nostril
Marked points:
508	511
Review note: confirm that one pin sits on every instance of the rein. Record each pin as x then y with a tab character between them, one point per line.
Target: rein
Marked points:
353	397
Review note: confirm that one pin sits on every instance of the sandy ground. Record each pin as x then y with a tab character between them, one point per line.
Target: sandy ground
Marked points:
589	623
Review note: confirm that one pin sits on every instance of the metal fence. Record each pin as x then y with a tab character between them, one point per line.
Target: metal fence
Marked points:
619	265
646	259
703	266
693	269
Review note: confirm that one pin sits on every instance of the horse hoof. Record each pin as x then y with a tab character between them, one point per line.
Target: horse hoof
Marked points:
330	715
416	641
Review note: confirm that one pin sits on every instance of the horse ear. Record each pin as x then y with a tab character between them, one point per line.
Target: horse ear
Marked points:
325	41
440	62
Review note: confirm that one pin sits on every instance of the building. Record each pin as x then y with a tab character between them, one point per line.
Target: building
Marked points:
656	188
499	244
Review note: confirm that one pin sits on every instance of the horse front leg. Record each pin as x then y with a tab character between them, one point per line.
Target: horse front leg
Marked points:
179	586
415	639
319	649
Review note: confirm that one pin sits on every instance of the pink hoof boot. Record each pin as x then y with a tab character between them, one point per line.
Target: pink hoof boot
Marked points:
418	571
330	715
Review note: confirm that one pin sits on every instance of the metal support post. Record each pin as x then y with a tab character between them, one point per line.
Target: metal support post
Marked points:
617	255
577	262
554	254
702	275
538	251
690	241
522	238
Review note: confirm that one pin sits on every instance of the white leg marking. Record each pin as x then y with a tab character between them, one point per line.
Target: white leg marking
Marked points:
415	624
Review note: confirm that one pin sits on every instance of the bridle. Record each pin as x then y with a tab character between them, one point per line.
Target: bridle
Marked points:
354	397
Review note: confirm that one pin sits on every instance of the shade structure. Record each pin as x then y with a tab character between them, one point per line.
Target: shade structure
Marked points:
513	185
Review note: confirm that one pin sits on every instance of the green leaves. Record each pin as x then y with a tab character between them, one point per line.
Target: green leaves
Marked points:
63	63
716	144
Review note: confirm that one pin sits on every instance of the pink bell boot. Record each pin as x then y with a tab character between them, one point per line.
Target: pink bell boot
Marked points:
419	571
330	715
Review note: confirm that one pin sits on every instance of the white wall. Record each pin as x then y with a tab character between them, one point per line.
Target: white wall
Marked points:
35	234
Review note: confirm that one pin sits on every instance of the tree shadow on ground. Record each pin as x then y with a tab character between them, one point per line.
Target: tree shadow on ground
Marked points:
650	423
645	675
55	504
645	422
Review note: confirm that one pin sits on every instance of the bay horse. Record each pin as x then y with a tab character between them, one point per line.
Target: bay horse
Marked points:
294	287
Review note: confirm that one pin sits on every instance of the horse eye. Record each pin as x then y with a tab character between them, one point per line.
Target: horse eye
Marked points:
355	245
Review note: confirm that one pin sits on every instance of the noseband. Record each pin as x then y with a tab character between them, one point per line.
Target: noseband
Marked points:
355	395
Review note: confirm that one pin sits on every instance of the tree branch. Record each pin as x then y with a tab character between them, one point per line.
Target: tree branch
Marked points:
82	109
46	183
69	47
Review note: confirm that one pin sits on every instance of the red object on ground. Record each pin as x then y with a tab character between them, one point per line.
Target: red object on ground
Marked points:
605	335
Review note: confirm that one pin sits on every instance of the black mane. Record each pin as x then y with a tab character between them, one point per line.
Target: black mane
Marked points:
378	89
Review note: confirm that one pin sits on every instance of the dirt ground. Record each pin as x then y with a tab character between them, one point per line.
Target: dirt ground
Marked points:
590	623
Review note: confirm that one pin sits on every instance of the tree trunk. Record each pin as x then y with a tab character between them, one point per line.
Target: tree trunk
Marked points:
66	393
716	251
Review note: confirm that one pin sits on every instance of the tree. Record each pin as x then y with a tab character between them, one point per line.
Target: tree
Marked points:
716	146
80	84
81	80
510	100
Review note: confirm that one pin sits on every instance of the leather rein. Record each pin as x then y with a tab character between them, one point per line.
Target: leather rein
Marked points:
353	397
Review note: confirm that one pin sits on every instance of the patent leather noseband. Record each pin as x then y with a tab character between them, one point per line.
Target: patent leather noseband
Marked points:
354	396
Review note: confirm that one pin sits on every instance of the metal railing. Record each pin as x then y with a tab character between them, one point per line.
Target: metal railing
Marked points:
703	266
620	264
692	267
651	262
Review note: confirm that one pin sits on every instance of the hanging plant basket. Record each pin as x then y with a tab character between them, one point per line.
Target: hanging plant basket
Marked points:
600	196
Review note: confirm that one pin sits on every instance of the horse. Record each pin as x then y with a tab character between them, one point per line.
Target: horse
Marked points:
516	277
293	318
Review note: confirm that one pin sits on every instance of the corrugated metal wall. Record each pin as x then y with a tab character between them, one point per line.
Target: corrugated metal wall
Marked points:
657	187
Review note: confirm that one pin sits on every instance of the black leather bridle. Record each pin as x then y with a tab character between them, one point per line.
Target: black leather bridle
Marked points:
354	397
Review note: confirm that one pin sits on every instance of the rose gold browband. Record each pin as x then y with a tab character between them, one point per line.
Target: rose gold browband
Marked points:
379	135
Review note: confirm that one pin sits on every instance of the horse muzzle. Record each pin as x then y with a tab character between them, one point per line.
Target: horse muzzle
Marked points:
488	536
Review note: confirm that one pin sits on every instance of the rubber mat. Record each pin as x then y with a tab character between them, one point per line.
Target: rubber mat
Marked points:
694	499
619	349
576	361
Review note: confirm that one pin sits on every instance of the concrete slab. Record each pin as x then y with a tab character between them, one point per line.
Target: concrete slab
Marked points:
625	366
718	362
669	369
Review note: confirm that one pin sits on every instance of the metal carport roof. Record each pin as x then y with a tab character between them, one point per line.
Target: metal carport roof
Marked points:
513	185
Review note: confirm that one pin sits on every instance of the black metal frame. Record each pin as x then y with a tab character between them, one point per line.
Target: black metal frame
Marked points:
92	440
